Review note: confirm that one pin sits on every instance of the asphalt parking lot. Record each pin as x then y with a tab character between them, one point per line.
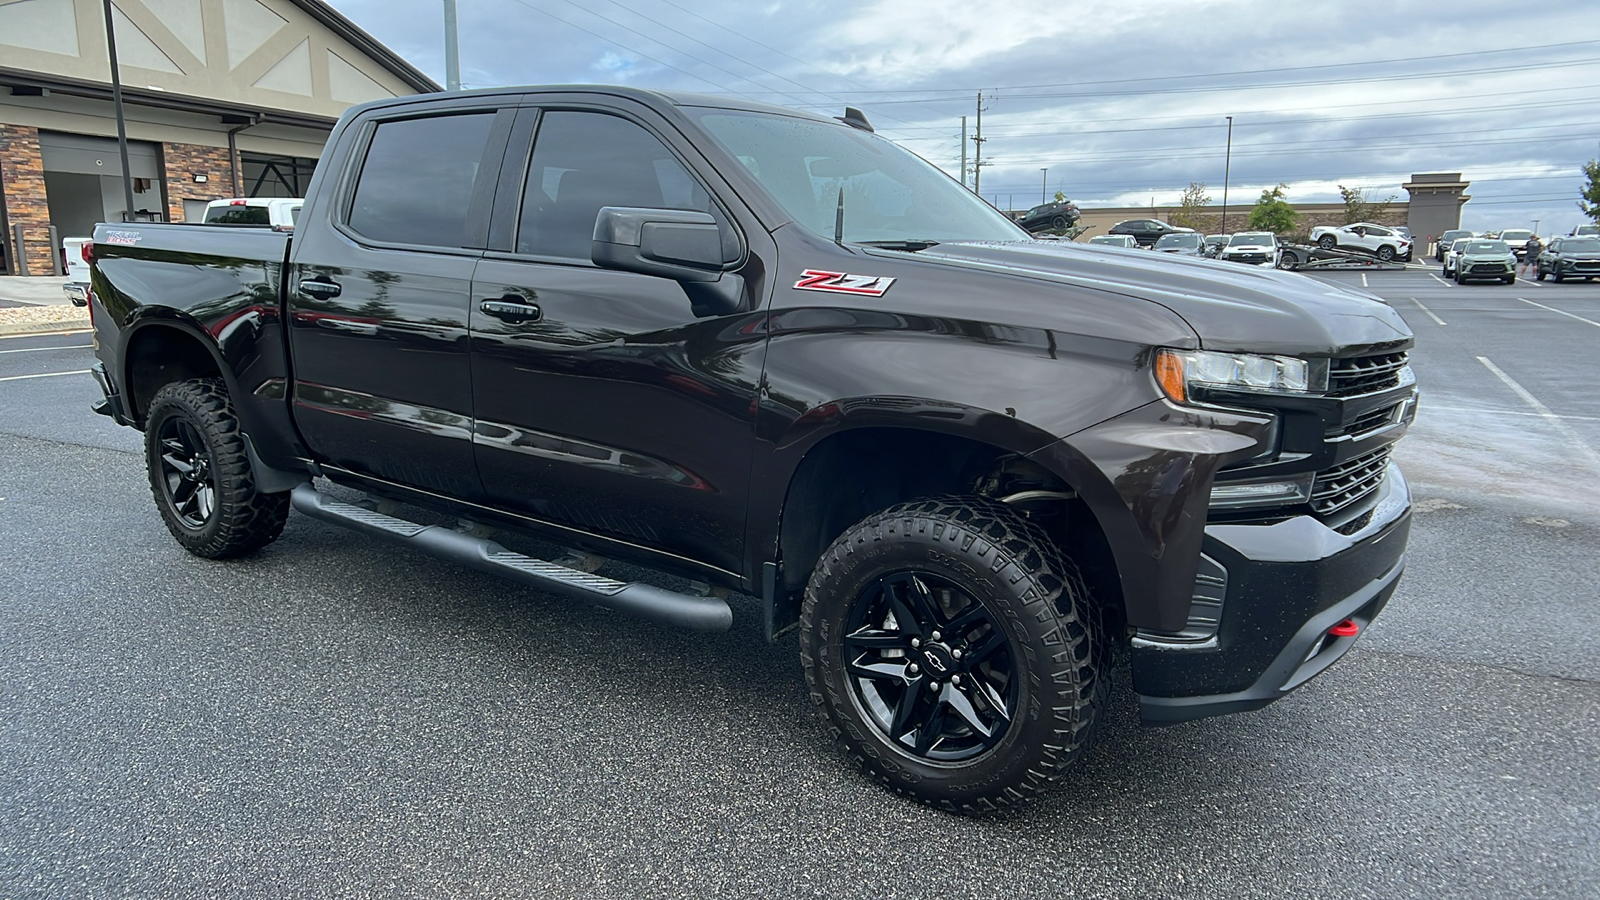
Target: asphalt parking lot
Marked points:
333	718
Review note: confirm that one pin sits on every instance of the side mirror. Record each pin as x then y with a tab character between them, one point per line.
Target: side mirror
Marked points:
685	245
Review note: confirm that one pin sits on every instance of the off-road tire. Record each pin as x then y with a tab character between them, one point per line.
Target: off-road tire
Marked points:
1032	595
239	519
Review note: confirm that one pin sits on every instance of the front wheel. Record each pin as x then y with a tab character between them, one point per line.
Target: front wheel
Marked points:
1538	273
951	646
200	473
1288	260
1557	277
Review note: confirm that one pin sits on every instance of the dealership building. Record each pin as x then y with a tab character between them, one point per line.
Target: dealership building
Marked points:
222	98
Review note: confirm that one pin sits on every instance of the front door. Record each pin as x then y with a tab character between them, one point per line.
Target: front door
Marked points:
378	305
603	404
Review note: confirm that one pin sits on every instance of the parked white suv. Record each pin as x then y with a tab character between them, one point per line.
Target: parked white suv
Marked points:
1517	240
1380	240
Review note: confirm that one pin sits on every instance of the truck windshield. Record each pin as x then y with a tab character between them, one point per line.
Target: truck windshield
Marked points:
889	194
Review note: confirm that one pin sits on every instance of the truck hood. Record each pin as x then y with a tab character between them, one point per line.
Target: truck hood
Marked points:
1230	307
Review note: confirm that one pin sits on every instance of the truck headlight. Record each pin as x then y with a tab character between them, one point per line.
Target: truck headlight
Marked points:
1179	371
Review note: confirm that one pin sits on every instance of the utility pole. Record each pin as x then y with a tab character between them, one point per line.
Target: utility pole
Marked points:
977	153
116	102
1044	183
963	151
1227	163
452	48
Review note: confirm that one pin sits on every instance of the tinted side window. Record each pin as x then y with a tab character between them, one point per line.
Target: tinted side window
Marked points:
583	161
416	183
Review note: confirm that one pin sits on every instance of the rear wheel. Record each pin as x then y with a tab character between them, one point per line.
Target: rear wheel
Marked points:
1386	253
1059	223
200	473
951	645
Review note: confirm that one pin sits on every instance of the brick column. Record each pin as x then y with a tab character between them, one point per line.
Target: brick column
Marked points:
22	186
182	163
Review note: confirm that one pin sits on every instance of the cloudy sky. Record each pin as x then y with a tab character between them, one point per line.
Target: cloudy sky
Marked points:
1124	102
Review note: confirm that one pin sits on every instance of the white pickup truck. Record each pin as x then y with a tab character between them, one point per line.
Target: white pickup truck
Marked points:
278	212
1381	241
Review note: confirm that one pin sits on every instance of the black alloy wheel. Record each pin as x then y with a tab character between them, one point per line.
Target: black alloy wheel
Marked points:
1059	223
189	485
930	667
200	473
955	651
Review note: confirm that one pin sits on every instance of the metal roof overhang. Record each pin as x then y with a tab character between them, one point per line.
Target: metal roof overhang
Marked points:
229	113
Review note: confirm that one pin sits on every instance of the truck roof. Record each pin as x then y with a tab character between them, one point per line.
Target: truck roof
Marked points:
675	98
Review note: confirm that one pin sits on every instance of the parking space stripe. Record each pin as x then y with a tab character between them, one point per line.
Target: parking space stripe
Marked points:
1426	310
45	375
1544	411
1440	280
1492	411
1561	311
41	349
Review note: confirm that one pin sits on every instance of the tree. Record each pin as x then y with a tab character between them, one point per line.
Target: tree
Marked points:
1273	213
1357	208
1590	204
1192	207
1060	197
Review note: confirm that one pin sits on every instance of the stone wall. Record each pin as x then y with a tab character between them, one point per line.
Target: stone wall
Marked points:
183	162
22	189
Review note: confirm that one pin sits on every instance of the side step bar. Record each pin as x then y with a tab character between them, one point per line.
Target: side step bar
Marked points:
643	600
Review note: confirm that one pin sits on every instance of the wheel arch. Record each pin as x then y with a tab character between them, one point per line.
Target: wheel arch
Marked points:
158	350
848	474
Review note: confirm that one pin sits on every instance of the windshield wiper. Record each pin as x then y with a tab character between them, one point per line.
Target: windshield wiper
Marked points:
910	246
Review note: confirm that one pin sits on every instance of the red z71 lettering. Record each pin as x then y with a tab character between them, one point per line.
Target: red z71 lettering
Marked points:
843	283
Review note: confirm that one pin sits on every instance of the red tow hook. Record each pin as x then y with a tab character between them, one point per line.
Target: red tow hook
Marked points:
1347	628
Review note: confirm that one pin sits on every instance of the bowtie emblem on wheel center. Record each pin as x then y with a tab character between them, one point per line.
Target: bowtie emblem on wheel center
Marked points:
936	659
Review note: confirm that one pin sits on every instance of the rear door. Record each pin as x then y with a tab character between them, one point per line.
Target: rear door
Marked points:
379	292
603	403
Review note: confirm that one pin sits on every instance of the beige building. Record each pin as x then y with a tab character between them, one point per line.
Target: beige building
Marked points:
222	98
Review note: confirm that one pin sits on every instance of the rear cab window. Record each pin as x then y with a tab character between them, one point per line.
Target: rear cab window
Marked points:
417	179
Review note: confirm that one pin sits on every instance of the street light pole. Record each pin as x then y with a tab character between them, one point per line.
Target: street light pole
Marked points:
1227	165
1044	182
452	50
116	102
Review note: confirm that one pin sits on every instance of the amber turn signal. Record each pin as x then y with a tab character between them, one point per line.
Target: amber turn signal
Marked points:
1169	374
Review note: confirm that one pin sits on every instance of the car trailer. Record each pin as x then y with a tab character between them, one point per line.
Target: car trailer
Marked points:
1311	256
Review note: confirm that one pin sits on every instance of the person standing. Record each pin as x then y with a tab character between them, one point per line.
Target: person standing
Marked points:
1530	255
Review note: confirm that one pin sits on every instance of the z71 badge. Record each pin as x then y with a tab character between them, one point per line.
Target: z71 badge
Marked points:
842	283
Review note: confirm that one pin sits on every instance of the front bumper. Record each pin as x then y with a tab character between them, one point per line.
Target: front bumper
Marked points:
1264	603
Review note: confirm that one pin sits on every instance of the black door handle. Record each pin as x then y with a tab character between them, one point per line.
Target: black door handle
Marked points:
511	309
322	290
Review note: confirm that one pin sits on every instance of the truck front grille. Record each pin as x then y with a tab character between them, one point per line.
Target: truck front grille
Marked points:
1365	374
1349	481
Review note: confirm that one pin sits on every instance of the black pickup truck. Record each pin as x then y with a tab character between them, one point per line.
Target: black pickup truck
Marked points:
774	353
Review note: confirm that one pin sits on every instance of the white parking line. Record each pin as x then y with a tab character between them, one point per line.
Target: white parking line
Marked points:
1492	411
1561	311
1364	279
45	375
38	349
1440	280
1427	310
1543	411
1529	281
